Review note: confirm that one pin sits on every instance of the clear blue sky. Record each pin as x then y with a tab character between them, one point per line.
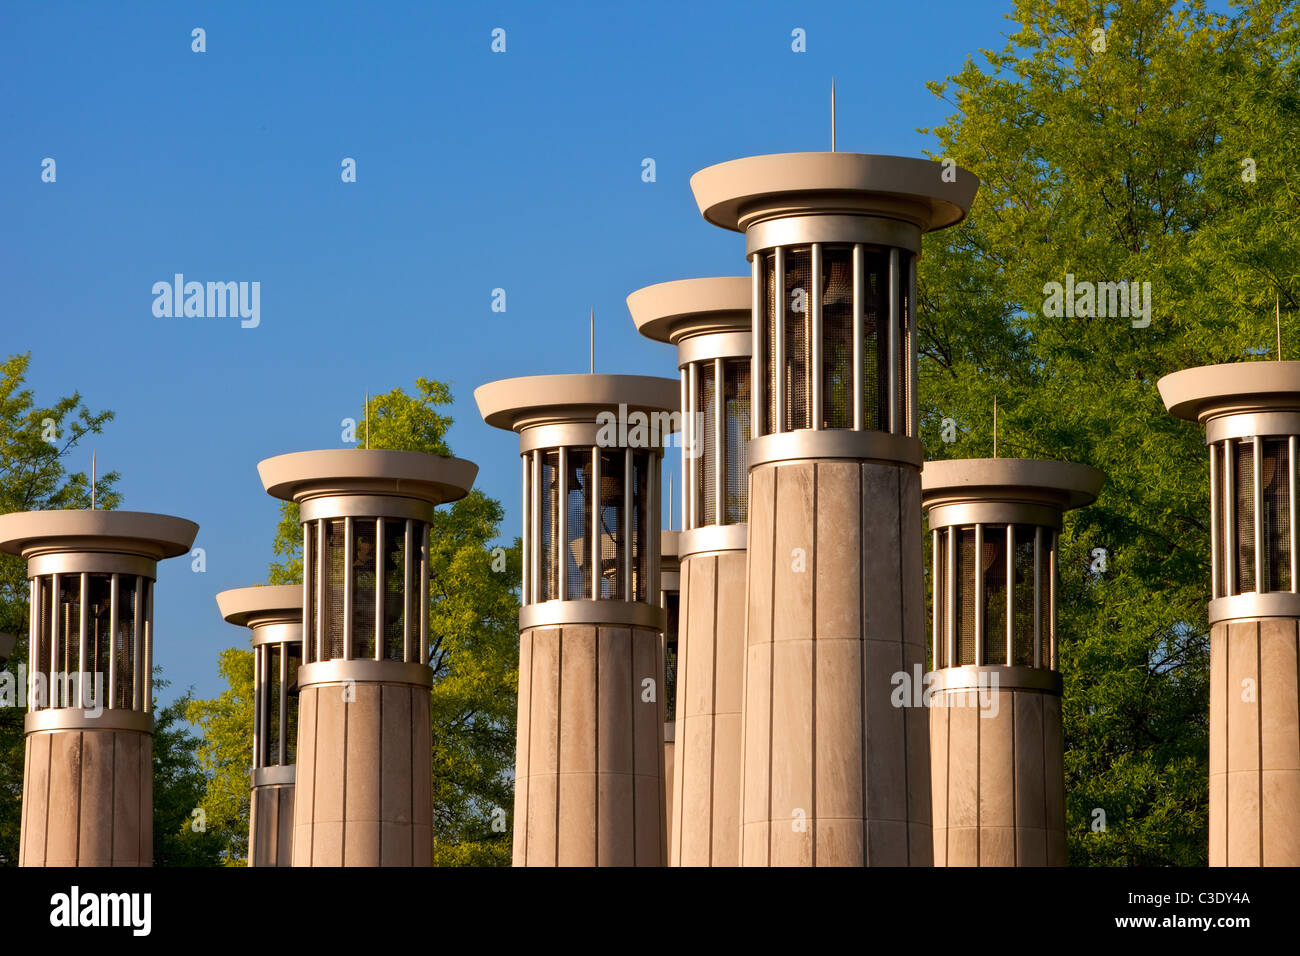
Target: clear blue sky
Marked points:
475	171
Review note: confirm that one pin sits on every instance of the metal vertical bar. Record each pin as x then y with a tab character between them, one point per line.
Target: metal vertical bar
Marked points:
83	623
535	542
259	706
651	570
719	443
422	603
525	597
379	587
56	655
148	648
1258	447
1231	558
685	439
628	594
594	497
308	570
322	563
1291	515
409	601
1215	583
979	594
33	639
137	644
1038	597
112	641
284	707
778	337
894	319
814	307
859	271
913	360
936	602
950	602
758	407
1011	594
1051	601
562	524
349	527
692	478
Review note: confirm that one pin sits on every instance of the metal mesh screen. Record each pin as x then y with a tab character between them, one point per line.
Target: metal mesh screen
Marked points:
577	549
291	704
1024	596
42	585
706	463
549	545
904	323
736	417
99	637
610	545
875	340
69	630
271	713
767	348
642	508
798	291
995	594
1277	515
394	590
1244	473
835	286
966	596
671	605
363	587
332	645
124	649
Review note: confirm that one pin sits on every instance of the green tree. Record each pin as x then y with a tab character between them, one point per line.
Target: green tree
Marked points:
181	837
474	652
35	444
225	753
1117	156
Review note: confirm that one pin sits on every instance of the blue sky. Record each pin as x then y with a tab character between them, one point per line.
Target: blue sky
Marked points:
475	171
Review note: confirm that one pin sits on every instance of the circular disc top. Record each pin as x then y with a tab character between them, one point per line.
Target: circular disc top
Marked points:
152	536
1197	394
735	193
517	403
670	311
1063	483
246	606
367	471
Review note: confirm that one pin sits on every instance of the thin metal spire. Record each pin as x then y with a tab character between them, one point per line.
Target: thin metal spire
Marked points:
94	471
367	418
1277	314
995	426
593	341
832	114
670	500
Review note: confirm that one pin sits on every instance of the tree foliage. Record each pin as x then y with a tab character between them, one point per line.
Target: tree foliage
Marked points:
1117	163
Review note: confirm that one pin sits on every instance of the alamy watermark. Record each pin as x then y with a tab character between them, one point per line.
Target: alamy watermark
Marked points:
82	689
916	689
213	300
638	429
1123	299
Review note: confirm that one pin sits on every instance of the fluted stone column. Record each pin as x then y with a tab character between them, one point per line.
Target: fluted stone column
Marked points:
275	616
996	746
590	759
363	795
832	773
670	601
1251	414
88	777
709	321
